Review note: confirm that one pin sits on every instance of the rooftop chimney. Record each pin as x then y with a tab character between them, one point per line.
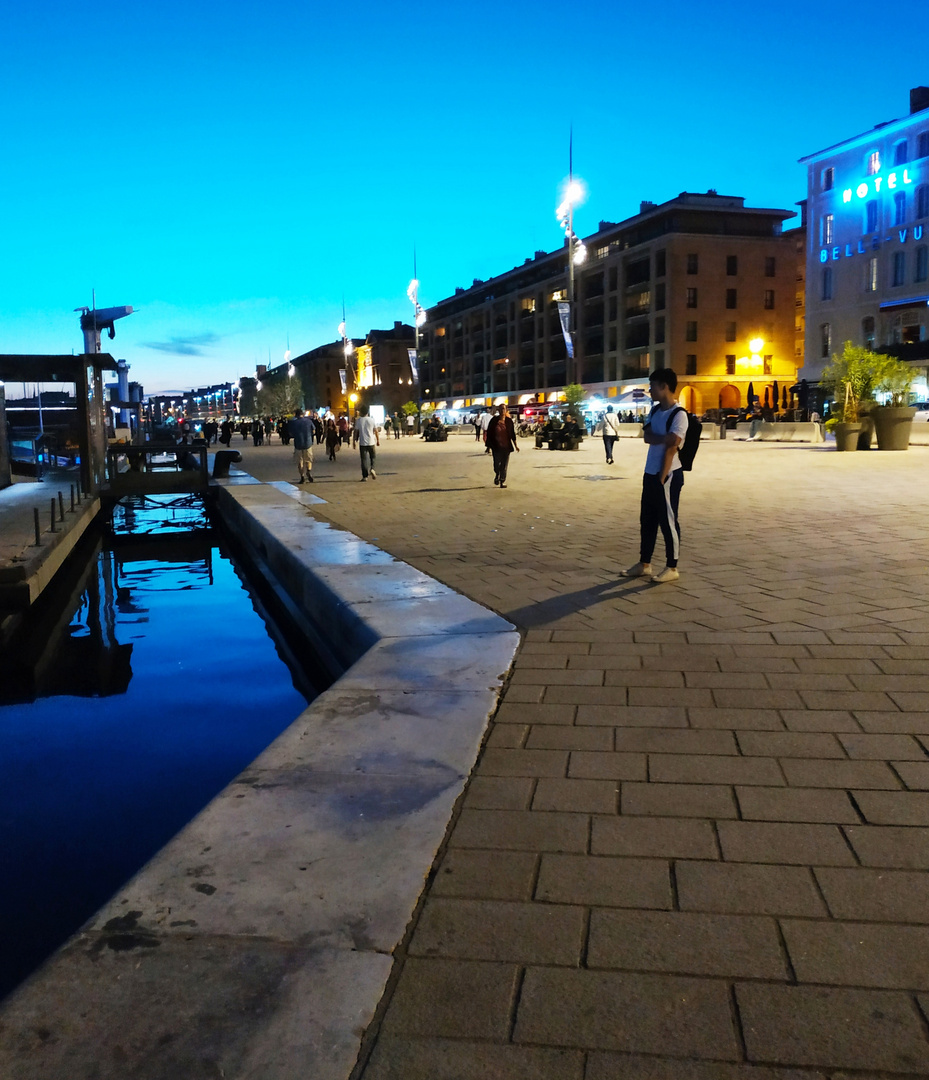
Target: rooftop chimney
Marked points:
919	99
645	206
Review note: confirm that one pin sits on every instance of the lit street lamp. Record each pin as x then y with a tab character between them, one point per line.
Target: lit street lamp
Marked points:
574	194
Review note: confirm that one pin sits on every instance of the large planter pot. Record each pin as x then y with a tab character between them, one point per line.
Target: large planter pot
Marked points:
846	436
892	425
866	435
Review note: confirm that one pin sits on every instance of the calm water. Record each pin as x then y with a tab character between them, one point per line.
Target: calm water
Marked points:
157	684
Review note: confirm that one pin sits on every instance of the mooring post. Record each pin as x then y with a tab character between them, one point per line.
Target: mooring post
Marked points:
53	529
38	528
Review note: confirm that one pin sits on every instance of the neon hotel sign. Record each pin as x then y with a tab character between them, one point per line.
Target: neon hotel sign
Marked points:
874	185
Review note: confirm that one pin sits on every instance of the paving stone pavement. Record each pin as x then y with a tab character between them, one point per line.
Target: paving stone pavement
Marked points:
696	843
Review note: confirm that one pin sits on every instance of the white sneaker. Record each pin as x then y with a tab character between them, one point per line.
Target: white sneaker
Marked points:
372	474
639	570
670	573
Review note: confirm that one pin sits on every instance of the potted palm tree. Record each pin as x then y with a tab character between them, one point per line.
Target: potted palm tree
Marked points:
850	380
893	420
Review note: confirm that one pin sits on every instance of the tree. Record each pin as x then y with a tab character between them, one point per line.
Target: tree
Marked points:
280	398
575	396
850	379
410	408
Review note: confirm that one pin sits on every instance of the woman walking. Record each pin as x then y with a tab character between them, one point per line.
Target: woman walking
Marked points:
501	438
333	438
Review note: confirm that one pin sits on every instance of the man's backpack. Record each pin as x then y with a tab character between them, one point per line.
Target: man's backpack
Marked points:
687	451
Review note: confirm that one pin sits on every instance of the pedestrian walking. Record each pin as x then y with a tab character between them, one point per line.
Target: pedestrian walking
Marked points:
610	432
365	436
303	431
333	439
664	433
501	438
485	418
398	426
410	424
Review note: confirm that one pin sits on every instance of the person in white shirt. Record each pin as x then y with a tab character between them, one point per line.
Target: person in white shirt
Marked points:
365	435
485	418
610	432
664	477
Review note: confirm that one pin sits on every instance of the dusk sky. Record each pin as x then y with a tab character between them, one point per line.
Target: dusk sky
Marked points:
232	171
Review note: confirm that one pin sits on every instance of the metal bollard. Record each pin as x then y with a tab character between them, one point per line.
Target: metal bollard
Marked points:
72	498
61	508
38	528
52	527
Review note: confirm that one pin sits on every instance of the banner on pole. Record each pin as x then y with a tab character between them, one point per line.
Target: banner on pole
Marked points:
564	314
414	368
342	379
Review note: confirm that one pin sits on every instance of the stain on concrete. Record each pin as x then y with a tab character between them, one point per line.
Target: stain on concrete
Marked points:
123	934
203	887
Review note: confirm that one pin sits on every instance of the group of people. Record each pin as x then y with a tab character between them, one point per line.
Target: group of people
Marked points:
303	431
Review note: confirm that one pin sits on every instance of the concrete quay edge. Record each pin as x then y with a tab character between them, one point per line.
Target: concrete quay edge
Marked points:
259	941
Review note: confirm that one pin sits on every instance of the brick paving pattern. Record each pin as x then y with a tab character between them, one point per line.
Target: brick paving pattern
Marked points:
696	843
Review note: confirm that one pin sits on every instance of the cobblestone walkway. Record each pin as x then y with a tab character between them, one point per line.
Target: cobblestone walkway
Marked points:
696	843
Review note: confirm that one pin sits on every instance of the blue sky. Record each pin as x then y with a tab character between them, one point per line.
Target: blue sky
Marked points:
232	171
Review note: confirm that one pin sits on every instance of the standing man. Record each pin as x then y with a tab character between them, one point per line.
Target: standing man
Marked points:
366	437
486	417
664	432
303	432
610	432
501	438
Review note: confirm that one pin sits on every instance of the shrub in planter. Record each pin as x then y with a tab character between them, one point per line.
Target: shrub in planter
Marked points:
893	421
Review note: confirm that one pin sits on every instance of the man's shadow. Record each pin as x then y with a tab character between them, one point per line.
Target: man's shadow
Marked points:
556	607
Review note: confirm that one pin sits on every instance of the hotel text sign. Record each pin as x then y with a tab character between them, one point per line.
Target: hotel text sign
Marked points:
895	181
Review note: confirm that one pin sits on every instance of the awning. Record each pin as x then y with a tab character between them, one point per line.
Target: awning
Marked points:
914	301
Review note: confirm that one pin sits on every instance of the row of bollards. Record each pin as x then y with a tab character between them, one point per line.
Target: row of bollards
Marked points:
57	512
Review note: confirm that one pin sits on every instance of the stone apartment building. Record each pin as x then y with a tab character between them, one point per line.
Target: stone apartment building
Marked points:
700	283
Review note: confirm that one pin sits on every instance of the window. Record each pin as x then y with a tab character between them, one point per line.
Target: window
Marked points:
900	155
559	294
691	297
871	279
826	293
899	208
922	144
613	277
614	309
731	298
691	264
922	263
770	266
690	367
874	162
660	263
825	339
730	331
867	332
691	331
871	216
826	230
899	274
922	201
768	363
659	296
527	304
769	298
659	330
730	363
827	179
732	265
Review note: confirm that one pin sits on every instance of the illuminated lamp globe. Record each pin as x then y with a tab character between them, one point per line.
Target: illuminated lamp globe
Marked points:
756	344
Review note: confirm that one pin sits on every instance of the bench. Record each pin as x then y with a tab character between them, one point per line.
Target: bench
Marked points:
797	431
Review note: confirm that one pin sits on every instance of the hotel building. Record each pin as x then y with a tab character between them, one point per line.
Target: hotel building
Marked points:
687	284
867	249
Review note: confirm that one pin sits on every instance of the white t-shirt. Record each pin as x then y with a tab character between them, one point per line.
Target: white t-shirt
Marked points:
486	417
365	428
659	425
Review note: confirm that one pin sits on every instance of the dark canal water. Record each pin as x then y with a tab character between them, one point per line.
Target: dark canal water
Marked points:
128	706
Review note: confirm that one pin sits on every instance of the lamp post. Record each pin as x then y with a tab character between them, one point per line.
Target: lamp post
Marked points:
419	318
573	195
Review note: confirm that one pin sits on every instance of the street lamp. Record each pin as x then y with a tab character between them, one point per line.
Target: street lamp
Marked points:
419	319
573	195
